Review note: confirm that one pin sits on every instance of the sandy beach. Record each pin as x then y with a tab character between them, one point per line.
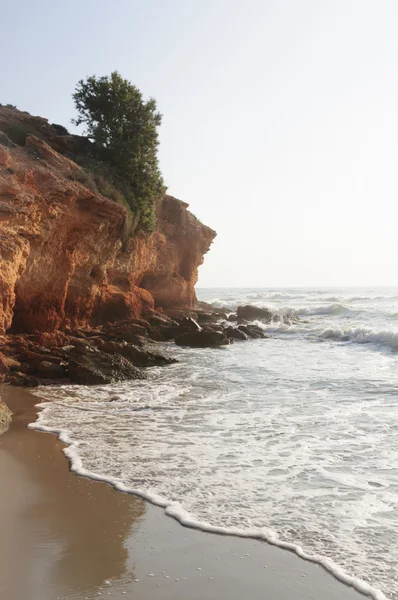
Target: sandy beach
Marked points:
66	537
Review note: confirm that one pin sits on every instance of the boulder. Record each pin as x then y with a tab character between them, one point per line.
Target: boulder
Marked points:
141	341
63	352
49	370
12	363
156	335
137	321
210	317
140	357
249	313
49	340
236	334
98	368
156	318
126	331
169	332
20	379
180	313
76	333
253	331
202	339
216	328
35	358
189	323
146	358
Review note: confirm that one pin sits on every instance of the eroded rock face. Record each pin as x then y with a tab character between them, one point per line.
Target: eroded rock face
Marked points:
64	257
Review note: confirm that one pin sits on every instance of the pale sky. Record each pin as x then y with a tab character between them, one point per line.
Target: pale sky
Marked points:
280	124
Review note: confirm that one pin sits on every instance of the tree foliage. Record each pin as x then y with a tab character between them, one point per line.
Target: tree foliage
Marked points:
124	129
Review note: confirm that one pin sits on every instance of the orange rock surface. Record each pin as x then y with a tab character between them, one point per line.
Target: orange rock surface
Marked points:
65	259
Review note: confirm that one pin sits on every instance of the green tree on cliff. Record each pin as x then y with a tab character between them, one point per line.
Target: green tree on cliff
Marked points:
124	129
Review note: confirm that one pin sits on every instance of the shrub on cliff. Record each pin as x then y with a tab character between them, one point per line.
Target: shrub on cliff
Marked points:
124	127
17	132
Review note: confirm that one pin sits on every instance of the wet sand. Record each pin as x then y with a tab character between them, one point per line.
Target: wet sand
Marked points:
64	537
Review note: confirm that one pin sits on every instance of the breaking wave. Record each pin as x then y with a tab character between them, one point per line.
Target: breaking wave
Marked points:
362	336
267	438
331	309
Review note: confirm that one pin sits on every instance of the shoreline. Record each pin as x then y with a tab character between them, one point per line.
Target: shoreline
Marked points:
83	533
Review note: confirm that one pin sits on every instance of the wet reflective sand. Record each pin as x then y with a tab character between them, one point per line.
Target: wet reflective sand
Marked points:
66	537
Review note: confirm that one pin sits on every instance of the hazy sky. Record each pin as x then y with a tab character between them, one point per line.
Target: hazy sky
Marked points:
280	123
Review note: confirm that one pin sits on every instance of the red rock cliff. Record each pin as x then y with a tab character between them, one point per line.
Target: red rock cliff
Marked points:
64	256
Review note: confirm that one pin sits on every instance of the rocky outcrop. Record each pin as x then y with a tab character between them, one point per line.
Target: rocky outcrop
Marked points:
250	312
65	258
82	299
97	368
203	339
112	352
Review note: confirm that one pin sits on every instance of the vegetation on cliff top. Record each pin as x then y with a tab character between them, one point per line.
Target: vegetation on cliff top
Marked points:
124	130
119	154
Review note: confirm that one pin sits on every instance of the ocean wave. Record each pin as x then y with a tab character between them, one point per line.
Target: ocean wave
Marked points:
331	309
362	336
332	299
274	296
371	298
176	511
227	304
362	298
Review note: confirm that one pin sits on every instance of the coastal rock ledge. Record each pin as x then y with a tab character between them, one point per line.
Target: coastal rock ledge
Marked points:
67	259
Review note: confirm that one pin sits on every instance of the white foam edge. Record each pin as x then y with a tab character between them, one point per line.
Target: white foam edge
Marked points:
174	510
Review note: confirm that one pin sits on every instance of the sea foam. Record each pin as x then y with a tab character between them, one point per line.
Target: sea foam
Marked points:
284	439
175	510
362	336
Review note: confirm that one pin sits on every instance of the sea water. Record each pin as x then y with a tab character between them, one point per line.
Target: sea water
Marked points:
291	439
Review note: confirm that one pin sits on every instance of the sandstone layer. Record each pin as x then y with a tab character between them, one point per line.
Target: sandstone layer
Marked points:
65	257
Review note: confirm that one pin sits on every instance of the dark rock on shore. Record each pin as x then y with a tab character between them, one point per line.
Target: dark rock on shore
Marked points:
127	330
236	334
249	313
97	368
138	356
157	318
21	380
232	317
12	364
202	339
117	351
211	317
49	370
217	328
253	331
189	323
181	313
